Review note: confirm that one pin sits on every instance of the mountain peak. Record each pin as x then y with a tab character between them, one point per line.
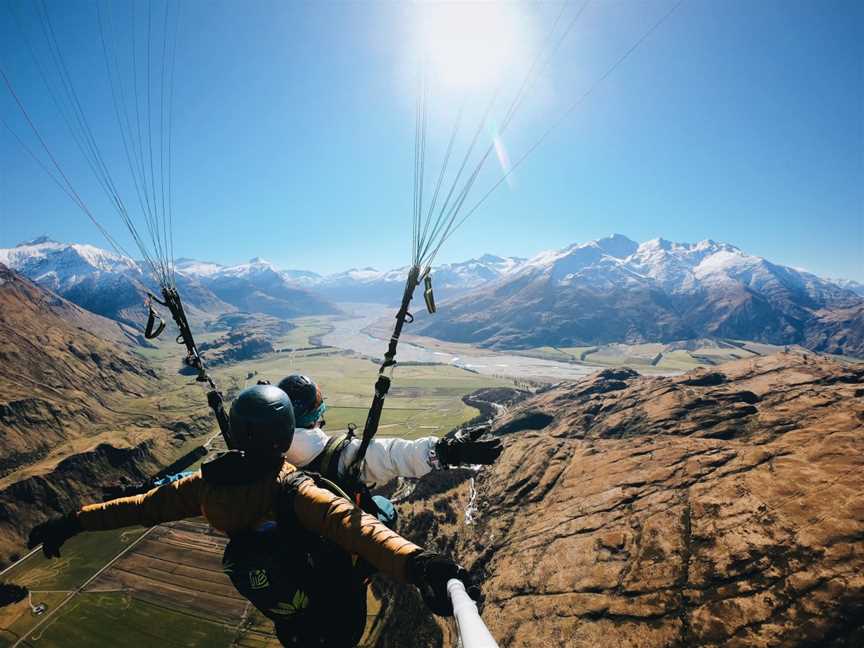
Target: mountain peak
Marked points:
39	240
658	244
617	245
488	258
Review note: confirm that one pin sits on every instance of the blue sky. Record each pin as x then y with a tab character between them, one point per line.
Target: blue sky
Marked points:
293	129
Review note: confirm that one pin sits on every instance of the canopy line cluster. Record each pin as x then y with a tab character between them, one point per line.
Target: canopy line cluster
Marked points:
436	222
139	54
433	223
142	107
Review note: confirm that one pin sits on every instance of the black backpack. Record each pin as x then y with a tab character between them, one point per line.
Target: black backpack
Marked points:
299	580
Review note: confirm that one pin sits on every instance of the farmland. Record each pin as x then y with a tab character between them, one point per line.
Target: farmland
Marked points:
161	586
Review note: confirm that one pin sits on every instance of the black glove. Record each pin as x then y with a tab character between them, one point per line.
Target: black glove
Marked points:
52	533
430	572
466	449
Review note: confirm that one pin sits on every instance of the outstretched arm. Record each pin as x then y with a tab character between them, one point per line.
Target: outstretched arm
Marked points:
172	501
359	533
345	524
387	459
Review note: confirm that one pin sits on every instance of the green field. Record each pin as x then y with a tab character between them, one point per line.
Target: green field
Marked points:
81	558
17	619
654	357
425	399
299	337
52	581
118	619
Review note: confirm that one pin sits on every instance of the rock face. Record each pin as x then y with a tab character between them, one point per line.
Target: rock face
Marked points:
61	373
718	508
77	409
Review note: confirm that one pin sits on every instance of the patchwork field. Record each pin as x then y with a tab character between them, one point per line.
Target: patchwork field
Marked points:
160	586
119	618
54	583
177	565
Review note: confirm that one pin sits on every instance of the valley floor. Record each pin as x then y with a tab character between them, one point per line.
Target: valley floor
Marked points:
165	586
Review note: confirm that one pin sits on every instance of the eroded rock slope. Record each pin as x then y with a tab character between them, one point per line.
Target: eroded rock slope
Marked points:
718	508
78	409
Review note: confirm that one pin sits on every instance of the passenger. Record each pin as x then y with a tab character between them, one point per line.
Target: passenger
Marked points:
386	458
291	539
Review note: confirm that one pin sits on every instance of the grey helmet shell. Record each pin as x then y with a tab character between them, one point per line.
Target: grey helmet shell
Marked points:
262	419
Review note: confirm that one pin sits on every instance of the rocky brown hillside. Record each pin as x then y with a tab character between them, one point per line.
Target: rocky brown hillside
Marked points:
717	508
57	379
77	408
235	347
247	336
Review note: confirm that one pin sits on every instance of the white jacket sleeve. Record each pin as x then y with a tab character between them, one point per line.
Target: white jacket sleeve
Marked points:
306	445
389	458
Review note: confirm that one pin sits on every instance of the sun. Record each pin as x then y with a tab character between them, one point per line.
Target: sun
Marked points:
471	45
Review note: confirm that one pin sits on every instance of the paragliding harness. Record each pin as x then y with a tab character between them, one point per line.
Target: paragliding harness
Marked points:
171	300
292	576
382	384
327	464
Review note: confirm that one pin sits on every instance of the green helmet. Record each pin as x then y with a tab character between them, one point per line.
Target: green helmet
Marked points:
262	418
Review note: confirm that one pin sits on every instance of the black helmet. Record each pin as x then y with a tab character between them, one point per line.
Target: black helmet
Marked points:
306	397
262	418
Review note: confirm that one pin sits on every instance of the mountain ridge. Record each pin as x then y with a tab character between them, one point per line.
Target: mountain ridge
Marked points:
660	291
611	289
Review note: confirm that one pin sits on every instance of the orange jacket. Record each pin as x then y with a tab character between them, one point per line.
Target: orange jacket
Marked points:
232	509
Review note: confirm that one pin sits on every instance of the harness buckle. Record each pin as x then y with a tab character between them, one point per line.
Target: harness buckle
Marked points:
428	296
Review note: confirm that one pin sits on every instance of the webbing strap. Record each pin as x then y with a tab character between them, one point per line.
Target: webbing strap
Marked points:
332	450
193	359
149	332
382	384
428	295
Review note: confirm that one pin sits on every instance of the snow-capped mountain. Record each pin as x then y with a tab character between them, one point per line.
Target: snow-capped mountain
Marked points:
60	266
467	275
612	289
361	284
100	281
385	287
116	287
260	287
256	267
855	286
616	290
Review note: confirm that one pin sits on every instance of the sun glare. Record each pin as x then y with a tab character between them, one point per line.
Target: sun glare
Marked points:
471	45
